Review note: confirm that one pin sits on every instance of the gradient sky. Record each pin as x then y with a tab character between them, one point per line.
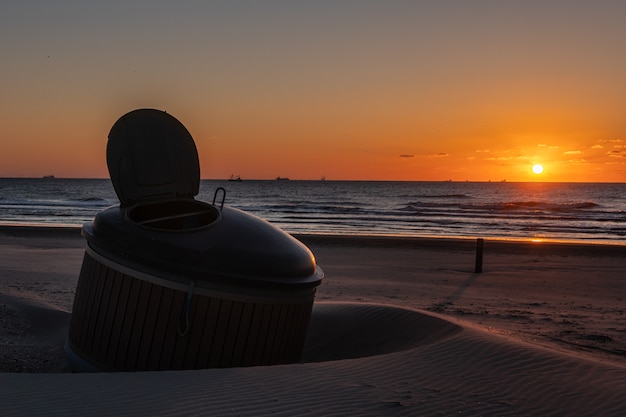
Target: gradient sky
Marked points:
367	90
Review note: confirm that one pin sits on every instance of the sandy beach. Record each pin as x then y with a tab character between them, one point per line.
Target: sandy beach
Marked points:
400	326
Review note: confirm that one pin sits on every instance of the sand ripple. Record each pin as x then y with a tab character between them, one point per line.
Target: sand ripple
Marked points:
445	370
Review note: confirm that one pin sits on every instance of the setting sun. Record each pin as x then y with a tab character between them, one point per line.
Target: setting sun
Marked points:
537	169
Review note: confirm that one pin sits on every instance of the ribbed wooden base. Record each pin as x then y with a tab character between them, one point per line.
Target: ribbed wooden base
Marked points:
123	323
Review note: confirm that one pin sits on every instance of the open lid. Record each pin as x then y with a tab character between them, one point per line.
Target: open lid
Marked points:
151	155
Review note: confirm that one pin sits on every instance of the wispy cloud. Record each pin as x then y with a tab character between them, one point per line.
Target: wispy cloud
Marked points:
499	158
430	155
406	155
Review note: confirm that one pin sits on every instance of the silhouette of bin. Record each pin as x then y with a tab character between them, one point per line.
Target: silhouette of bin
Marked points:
170	282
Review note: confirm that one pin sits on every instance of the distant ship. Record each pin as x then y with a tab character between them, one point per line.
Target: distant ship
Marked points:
48	177
236	178
282	179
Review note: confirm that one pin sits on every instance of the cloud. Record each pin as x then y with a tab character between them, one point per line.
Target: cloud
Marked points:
543	145
616	154
499	158
406	155
428	155
572	153
597	147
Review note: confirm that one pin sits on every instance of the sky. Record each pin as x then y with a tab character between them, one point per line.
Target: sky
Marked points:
346	89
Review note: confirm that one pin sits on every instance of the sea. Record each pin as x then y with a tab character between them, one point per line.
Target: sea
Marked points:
537	211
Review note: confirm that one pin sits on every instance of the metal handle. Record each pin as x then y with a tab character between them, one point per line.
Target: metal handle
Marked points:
223	196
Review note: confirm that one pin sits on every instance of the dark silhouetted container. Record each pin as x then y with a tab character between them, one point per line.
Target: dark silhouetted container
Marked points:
170	282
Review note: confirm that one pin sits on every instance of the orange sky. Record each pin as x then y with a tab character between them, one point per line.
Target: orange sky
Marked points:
362	90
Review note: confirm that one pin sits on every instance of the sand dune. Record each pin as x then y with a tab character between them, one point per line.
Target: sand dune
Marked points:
31	336
400	327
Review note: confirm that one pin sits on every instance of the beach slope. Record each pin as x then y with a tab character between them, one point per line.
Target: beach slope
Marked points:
400	327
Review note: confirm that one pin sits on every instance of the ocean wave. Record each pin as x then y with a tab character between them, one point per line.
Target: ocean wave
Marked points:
559	211
541	206
90	200
442	196
42	203
526	206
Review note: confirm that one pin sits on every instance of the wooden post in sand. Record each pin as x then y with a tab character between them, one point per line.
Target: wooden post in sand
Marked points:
479	255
